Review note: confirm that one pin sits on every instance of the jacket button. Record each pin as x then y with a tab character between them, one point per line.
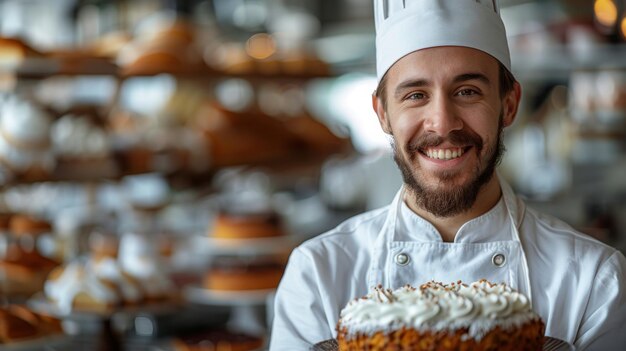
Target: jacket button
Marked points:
402	259
498	260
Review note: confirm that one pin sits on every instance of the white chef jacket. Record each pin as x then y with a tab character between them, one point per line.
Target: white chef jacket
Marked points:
575	283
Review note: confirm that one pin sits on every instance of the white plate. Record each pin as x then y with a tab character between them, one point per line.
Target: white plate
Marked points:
227	298
252	246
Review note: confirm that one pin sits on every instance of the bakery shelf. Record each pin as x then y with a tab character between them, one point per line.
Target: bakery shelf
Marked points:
204	296
43	67
40	304
246	247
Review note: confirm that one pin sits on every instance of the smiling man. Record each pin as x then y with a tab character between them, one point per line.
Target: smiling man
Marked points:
445	95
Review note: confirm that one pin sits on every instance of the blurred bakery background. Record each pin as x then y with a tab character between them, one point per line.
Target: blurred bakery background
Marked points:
159	159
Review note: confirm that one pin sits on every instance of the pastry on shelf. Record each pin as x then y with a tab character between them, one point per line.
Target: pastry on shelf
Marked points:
229	58
246	214
244	274
140	258
303	63
239	224
110	44
113	275
25	140
23	224
14	51
82	149
73	287
261	56
250	137
216	340
23	268
108	270
167	47
318	139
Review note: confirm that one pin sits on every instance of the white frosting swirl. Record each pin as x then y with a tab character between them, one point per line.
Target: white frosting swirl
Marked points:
480	307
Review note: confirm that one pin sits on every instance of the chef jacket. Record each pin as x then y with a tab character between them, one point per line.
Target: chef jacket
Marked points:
574	282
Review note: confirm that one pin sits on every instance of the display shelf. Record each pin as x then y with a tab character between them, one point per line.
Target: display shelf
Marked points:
40	304
245	247
200	295
44	67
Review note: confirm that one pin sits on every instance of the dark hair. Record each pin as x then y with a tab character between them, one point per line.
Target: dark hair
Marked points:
506	80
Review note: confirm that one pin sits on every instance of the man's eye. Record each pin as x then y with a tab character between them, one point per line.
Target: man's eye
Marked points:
467	92
415	96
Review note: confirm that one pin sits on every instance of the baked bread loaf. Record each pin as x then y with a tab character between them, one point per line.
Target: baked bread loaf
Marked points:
435	316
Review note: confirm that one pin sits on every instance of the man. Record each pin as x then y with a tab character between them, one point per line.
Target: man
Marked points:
445	95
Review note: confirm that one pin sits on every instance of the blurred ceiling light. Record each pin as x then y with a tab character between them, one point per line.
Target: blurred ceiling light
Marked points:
623	26
261	46
605	12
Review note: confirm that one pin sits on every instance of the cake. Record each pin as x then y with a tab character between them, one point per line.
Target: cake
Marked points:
82	148
233	225
436	316
243	275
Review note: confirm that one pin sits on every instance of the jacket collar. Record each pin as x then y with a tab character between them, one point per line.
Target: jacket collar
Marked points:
515	209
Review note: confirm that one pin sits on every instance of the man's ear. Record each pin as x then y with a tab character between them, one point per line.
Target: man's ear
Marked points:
379	108
511	104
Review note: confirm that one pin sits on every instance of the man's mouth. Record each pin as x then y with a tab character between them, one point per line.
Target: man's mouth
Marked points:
444	153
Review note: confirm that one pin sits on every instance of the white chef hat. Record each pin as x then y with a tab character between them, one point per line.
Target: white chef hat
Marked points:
404	26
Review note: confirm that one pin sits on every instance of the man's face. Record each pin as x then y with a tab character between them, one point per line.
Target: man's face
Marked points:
445	115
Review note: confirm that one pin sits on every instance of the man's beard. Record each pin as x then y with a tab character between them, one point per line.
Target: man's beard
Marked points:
450	200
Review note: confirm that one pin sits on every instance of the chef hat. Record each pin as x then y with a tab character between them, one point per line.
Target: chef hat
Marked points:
404	26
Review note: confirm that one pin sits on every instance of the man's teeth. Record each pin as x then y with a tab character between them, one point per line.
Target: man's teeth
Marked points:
444	154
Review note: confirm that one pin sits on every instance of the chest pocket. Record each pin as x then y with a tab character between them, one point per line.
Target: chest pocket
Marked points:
416	263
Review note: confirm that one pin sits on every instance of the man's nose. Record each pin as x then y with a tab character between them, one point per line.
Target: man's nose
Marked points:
441	117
